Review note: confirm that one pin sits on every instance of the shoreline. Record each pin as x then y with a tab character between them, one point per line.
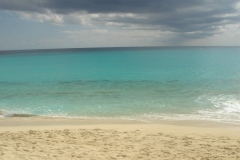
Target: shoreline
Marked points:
58	121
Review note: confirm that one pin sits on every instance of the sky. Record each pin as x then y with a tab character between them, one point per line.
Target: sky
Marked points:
46	24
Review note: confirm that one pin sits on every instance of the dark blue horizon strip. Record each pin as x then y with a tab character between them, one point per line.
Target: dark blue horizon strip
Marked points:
42	51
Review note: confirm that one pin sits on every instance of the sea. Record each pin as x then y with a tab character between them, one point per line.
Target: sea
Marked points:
134	83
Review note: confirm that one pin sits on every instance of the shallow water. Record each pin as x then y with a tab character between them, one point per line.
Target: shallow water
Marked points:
179	83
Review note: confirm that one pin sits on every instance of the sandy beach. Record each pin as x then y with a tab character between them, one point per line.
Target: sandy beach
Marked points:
104	139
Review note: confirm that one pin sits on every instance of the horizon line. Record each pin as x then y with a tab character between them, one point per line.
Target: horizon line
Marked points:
87	48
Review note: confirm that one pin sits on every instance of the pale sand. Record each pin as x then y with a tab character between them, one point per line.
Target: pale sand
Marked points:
95	139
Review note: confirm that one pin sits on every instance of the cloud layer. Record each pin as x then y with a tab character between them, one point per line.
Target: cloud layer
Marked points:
185	19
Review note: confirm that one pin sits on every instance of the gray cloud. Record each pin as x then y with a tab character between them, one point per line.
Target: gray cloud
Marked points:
98	6
189	19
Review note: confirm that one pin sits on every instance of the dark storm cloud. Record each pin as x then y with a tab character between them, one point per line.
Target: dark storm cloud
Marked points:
98	6
181	16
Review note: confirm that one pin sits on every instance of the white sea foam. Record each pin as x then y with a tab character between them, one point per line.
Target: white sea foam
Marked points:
3	112
224	108
220	108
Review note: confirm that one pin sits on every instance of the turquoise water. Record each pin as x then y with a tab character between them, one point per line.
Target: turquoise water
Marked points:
181	83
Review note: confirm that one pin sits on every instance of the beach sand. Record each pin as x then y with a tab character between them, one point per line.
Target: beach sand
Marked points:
26	138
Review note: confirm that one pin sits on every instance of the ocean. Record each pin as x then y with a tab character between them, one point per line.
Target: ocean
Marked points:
143	83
